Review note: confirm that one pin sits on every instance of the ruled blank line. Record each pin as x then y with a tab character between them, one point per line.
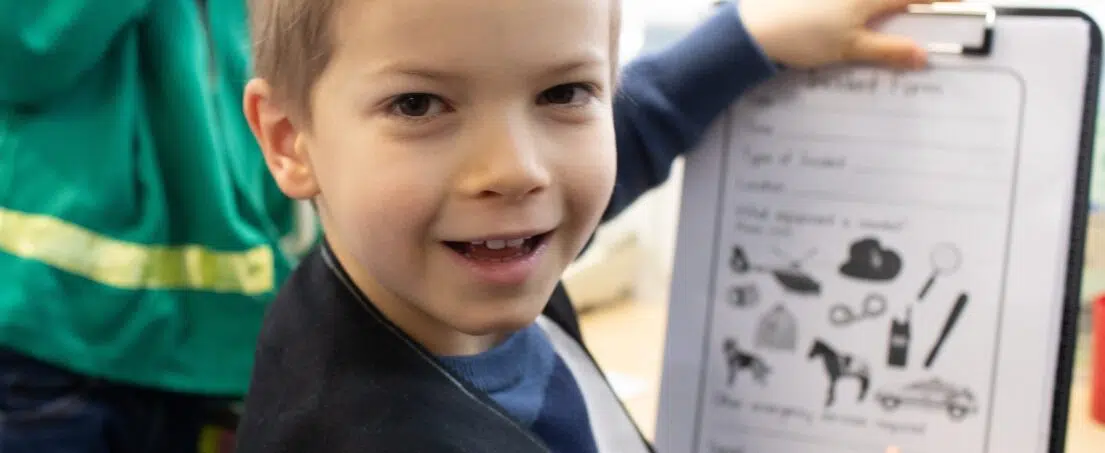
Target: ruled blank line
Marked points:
852	139
817	195
836	110
957	177
808	439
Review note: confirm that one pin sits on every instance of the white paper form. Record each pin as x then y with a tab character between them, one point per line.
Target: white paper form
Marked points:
870	258
872	210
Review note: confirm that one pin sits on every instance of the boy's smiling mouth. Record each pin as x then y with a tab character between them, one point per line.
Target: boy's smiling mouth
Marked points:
500	249
501	260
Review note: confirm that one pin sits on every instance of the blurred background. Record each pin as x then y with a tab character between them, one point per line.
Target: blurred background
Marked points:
622	283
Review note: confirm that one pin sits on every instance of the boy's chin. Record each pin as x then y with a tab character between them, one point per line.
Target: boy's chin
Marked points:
500	320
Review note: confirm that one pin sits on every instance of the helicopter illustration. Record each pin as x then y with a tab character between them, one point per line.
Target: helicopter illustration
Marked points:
792	277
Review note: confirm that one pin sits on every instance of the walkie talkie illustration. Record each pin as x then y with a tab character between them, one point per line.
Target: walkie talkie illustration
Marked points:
898	349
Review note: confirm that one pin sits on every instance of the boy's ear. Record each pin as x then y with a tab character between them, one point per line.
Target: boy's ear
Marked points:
283	144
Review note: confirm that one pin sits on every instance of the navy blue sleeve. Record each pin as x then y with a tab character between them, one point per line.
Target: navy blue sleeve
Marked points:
666	101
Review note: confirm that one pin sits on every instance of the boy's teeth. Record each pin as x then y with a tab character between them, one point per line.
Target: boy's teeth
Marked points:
499	244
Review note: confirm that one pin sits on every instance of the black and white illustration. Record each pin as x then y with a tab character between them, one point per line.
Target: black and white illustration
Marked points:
744	296
945	260
901	333
778	330
872	307
791	277
737	361
945	331
839	366
871	260
934	395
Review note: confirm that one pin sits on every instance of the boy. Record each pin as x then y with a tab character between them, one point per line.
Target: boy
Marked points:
461	154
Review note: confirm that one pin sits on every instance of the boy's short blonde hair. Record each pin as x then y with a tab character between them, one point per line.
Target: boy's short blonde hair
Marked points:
293	44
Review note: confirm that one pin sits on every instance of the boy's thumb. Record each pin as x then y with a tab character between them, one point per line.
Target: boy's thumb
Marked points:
881	48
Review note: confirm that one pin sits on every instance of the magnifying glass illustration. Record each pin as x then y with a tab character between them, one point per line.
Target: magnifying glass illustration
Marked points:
945	260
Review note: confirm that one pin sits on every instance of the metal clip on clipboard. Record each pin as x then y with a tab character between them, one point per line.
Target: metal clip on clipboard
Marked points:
948	28
975	19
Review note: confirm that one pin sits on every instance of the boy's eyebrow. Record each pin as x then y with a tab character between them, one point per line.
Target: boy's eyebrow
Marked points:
575	63
419	71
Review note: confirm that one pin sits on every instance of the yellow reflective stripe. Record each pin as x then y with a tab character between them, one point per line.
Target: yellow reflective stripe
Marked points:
130	265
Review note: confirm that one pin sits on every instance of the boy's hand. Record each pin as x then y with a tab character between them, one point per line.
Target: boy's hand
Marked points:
809	33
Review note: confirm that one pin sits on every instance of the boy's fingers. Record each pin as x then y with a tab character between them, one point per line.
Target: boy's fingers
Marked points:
877	8
880	48
895	51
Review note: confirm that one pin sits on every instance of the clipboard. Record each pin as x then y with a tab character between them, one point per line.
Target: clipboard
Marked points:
917	239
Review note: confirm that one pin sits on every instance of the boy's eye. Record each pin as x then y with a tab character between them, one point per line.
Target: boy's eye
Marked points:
417	105
566	94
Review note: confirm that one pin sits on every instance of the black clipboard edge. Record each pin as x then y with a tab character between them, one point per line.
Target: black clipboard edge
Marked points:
1072	303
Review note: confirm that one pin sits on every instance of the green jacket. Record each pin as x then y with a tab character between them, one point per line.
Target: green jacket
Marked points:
139	229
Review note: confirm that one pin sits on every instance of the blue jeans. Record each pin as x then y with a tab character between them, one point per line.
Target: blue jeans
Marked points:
44	409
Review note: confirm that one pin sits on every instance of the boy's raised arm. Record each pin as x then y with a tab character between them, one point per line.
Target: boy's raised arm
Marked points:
45	45
666	101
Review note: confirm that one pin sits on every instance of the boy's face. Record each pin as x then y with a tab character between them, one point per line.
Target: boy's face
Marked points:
440	124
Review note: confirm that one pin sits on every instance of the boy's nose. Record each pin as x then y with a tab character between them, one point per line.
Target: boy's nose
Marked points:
507	162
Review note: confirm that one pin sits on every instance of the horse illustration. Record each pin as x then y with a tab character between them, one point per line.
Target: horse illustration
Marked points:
838	366
739	360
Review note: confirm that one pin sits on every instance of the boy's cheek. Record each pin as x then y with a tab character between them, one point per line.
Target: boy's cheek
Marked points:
590	186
